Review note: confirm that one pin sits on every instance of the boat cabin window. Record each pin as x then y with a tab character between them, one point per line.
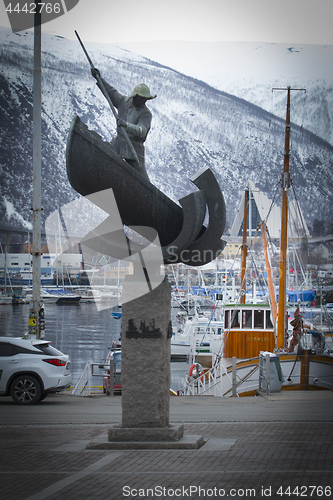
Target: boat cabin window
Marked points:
226	319
217	330
269	323
247	319
235	319
258	319
209	330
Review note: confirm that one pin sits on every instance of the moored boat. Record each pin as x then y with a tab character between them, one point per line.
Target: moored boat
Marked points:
26	277
58	296
199	340
304	364
12	299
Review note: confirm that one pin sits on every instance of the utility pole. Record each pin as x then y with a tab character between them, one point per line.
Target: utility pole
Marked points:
285	181
35	310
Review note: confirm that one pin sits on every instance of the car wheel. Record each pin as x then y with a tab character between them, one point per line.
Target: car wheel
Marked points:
25	390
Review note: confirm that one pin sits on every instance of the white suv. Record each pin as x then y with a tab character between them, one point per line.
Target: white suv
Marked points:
31	369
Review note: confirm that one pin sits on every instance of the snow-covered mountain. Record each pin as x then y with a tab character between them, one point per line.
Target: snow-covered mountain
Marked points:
194	125
250	70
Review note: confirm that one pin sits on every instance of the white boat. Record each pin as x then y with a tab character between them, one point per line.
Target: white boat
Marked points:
87	295
102	296
58	296
12	299
199	340
26	277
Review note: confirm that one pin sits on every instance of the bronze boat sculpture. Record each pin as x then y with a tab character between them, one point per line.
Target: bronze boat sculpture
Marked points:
93	166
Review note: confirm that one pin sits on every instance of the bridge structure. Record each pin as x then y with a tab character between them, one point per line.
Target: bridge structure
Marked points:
6	236
17	236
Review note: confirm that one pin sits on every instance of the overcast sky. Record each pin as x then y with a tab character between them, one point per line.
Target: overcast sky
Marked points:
116	21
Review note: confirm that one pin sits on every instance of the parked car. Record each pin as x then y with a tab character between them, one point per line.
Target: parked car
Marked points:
31	369
115	355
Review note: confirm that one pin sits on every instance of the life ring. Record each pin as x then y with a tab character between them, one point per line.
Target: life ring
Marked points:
192	367
196	371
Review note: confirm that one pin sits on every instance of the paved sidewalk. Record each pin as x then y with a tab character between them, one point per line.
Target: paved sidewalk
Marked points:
255	448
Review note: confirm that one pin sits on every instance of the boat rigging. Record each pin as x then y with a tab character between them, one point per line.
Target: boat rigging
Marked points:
285	181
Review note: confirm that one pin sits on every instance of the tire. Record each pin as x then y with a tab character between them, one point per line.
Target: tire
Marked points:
26	390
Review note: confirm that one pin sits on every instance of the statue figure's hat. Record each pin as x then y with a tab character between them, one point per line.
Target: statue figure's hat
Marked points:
143	91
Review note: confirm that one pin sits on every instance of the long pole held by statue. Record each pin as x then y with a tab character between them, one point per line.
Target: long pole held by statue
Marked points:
107	97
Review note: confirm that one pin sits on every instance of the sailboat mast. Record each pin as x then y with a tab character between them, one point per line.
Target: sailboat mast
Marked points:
244	249
284	236
285	181
269	274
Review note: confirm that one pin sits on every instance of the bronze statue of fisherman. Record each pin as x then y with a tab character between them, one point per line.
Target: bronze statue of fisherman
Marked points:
94	166
134	116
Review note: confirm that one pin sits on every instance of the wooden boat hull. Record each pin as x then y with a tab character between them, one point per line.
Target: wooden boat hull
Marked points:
314	374
247	343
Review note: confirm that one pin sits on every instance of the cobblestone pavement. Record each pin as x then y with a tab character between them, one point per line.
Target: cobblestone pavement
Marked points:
285	454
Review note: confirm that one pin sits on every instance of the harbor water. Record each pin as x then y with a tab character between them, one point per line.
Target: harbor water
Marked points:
81	331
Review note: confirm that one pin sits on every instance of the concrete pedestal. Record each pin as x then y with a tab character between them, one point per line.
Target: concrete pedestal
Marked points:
145	360
145	371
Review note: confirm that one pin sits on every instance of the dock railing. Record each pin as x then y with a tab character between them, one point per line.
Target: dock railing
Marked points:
213	382
224	381
83	386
